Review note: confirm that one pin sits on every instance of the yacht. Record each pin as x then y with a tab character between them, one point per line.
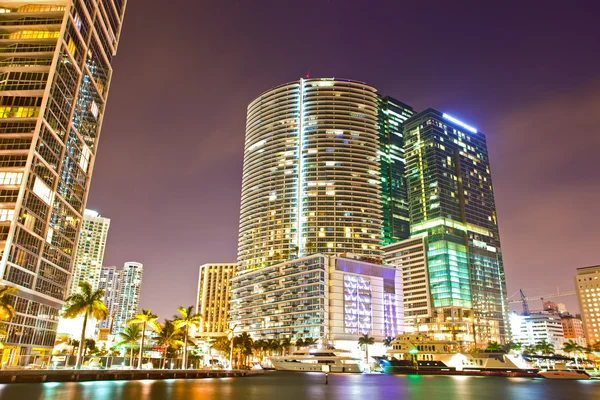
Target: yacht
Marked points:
564	374
315	360
452	357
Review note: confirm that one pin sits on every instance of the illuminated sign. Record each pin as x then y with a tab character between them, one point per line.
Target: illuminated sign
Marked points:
460	123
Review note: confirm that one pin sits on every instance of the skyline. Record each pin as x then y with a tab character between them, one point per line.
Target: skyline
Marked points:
206	232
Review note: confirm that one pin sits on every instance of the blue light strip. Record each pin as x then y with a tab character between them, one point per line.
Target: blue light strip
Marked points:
459	123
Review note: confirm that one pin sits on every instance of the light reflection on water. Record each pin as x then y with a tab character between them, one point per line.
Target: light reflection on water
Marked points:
296	386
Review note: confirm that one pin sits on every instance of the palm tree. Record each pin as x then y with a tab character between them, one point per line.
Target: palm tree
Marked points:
572	347
299	343
89	303
387	342
243	345
274	346
286	343
129	337
366	340
188	319
493	346
309	342
545	348
168	337
145	318
7	311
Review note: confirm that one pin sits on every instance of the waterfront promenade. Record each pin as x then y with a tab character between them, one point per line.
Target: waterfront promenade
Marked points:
29	376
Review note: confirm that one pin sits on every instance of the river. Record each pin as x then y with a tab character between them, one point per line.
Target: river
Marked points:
296	386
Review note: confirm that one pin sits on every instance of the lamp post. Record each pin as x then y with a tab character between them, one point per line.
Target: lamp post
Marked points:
230	335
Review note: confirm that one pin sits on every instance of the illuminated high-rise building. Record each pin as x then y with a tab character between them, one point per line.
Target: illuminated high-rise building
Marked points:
323	172
55	72
90	250
127	299
587	285
109	282
451	202
214	292
394	194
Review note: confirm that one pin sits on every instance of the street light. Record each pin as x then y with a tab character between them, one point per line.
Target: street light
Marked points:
230	336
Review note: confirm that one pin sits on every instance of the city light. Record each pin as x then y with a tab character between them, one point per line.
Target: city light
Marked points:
460	123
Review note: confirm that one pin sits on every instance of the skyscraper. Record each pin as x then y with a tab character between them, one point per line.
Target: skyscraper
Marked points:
587	285
127	299
394	193
55	72
214	291
109	282
451	202
90	250
312	179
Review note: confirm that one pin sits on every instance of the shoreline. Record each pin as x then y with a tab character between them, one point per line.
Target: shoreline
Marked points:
41	376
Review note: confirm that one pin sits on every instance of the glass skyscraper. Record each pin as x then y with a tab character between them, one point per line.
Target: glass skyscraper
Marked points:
396	218
451	201
55	71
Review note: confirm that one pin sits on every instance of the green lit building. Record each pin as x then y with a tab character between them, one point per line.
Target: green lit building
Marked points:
396	220
451	203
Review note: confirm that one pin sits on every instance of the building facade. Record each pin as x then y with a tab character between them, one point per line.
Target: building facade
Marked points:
126	303
394	192
334	299
55	71
572	327
587	285
109	282
90	250
311	179
214	293
451	203
529	330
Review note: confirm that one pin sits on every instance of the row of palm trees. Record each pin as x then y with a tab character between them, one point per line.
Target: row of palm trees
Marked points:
173	333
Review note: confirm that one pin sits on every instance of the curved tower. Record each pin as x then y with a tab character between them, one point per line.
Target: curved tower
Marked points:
311	178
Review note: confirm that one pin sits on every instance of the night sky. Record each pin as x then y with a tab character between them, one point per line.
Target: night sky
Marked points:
527	74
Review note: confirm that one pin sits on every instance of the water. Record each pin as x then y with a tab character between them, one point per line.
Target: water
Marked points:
296	386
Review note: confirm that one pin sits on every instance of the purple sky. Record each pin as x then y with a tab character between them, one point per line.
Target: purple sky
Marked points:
527	74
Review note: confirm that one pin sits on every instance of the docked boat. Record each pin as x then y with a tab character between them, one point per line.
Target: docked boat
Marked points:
564	374
430	356
307	361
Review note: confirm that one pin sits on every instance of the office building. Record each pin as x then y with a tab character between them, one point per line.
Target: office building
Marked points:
529	330
55	72
451	203
334	299
109	282
214	293
587	285
572	327
126	303
90	250
394	193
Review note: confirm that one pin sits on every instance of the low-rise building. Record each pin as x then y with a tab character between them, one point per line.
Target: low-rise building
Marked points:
529	330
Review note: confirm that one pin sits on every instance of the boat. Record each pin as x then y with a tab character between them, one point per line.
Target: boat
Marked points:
564	374
315	360
430	356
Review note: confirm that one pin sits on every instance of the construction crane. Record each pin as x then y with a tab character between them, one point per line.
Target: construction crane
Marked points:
524	299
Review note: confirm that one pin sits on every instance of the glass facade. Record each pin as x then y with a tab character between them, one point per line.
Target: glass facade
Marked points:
214	292
394	194
55	70
451	202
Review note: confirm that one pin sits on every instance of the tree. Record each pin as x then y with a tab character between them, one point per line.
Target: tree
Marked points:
299	343
129	337
309	342
366	340
90	344
274	345
493	346
187	319
89	303
242	345
387	342
286	343
544	347
145	318
7	311
572	347
169	337
509	346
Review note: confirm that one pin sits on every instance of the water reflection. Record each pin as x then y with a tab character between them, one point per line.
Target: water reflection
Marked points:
296	386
